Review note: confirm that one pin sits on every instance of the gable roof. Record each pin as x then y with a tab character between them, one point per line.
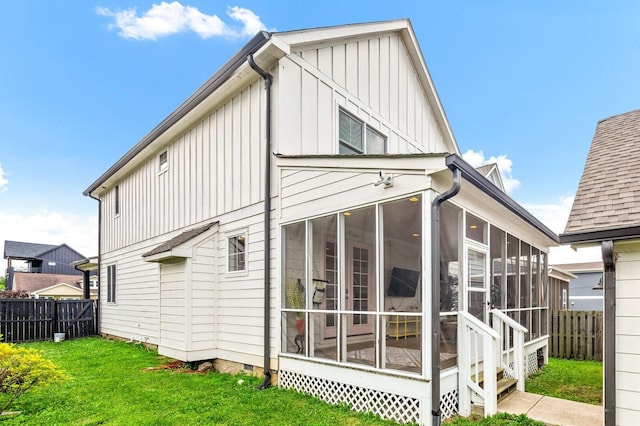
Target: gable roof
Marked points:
34	282
607	204
267	48
492	173
22	250
165	250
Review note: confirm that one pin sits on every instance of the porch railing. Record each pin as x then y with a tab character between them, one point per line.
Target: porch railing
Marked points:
511	353
478	351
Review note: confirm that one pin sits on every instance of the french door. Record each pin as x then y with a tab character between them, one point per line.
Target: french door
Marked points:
358	294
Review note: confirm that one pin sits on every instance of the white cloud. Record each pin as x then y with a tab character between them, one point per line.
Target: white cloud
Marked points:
477	159
48	227
171	18
555	216
3	180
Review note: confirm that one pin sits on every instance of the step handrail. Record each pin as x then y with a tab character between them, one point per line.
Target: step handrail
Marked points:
478	345
511	358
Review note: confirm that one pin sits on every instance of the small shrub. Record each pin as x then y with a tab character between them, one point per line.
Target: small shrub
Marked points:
22	369
17	294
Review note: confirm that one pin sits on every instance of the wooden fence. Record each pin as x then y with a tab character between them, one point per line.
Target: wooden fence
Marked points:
28	320
576	335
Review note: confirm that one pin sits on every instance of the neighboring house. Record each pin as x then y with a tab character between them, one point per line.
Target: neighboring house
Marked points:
606	212
52	286
40	259
559	289
383	253
586	286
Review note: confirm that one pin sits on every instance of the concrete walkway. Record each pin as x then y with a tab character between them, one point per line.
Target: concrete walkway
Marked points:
552	411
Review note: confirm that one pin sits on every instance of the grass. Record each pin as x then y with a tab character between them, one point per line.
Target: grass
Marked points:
110	384
569	379
500	419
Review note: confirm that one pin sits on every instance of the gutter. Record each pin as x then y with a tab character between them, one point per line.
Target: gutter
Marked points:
453	161
608	258
267	223
435	291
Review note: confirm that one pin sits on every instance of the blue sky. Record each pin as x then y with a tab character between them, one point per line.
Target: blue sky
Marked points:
82	82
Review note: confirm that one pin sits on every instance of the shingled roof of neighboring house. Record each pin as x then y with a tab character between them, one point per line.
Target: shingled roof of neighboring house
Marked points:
34	282
22	250
607	204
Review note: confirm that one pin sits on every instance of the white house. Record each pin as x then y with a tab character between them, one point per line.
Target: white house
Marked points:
606	212
384	257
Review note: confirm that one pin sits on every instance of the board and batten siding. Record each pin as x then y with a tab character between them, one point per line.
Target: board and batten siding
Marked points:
373	78
627	332
215	167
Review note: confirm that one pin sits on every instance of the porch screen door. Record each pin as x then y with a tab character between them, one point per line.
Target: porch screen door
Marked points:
476	282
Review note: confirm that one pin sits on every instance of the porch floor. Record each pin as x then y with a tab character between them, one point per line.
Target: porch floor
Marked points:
552	411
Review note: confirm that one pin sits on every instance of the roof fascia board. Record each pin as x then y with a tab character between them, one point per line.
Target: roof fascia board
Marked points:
415	51
483	184
167	129
171	254
594	236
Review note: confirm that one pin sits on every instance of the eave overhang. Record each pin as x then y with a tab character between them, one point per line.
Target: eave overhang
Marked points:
88	264
474	177
587	237
180	246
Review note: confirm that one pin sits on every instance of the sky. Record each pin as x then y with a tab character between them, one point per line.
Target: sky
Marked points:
522	83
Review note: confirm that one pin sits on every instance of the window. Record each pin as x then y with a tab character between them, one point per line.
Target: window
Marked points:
163	164
357	138
117	200
236	254
111	284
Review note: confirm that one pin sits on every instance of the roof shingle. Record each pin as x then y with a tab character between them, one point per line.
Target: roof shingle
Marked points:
608	196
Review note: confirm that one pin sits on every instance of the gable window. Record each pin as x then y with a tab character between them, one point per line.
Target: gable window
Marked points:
111	284
236	253
357	138
117	200
163	163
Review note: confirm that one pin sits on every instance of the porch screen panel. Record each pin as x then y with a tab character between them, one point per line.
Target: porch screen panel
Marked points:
525	275
535	277
449	257
513	277
498	263
360	292
324	291
294	288
402	245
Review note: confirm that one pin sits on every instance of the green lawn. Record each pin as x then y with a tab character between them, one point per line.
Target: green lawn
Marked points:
569	379
110	384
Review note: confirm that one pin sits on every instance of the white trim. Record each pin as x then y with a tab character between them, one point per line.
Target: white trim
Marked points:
240	233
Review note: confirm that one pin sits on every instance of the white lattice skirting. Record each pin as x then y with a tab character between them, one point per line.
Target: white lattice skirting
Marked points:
400	408
449	404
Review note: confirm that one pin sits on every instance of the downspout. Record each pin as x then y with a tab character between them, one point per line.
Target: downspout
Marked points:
435	294
608	258
267	223
98	306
